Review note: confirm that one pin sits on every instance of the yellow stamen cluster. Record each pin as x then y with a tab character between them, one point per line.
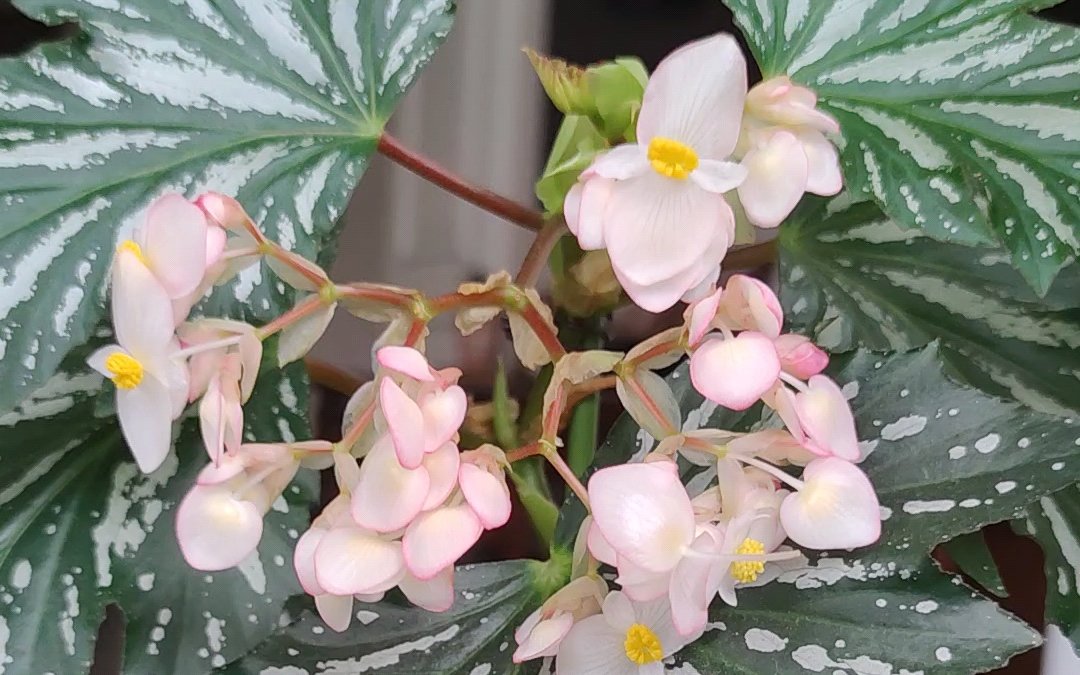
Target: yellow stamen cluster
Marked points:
671	158
746	571
132	247
642	645
126	370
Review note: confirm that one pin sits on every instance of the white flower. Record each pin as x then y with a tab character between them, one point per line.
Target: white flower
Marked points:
657	205
151	386
628	638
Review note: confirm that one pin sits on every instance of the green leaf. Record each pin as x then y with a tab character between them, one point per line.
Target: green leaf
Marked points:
854	623
1054	521
279	103
957	117
474	637
618	87
851	277
80	527
576	145
973	557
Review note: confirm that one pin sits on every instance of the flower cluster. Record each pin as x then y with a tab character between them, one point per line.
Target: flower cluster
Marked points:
660	206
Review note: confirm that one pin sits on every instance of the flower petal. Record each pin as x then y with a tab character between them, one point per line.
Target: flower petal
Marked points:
436	539
836	508
643	511
145	414
599	547
442	467
141	309
641	585
718	177
749	304
544	638
799	356
776	179
593	647
695	96
335	610
700	316
621	162
406	361
434	595
388	496
689	588
404	421
589	228
174	243
351	560
619	611
212	420
826	418
443	414
216	530
823	164
304	560
486	495
735	372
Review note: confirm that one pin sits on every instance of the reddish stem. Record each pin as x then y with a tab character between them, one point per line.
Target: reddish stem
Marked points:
665	347
376	293
539	251
544	331
302	309
530	450
430	170
358	426
634	386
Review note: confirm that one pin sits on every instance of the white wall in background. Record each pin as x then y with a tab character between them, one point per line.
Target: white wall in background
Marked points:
478	110
1059	657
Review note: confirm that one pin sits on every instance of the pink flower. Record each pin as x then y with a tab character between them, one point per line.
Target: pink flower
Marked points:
543	631
657	205
818	416
735	371
836	507
800	357
785	151
221	416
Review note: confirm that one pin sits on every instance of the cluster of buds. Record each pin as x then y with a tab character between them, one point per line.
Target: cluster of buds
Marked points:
415	504
660	206
675	552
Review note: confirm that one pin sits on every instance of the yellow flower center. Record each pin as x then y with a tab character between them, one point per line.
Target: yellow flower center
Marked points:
126	371
642	645
671	158
746	571
129	245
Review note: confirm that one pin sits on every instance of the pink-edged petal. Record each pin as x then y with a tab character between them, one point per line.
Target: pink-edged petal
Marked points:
212	420
701	314
175	243
826	418
544	638
836	508
695	96
304	560
823	164
145	414
141	309
215	529
599	547
657	228
486	495
621	162
689	587
443	414
436	539
404	421
717	176
335	610
593	647
406	361
704	287
351	560
572	206
643	511
216	240
735	372
782	400
388	496
595	196
442	467
641	585
800	357
776	179
749	304
435	595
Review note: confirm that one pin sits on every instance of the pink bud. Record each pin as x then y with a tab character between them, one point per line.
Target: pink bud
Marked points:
215	529
836	507
226	212
405	360
699	317
749	304
799	356
735	372
826	419
486	493
405	421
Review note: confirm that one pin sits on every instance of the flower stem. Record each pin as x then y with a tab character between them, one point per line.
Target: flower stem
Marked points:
302	309
544	331
551	454
539	251
771	470
357	428
428	169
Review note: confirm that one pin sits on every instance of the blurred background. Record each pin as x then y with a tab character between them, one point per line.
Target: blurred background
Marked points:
478	109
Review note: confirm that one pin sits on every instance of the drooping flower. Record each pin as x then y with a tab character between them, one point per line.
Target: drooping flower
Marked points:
785	151
221	415
836	507
657	205
151	385
628	638
543	631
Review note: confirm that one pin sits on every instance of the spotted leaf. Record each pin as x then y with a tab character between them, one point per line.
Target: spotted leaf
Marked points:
278	103
82	528
958	117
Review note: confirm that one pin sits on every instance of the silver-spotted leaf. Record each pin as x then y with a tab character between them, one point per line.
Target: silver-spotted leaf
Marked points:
278	103
81	527
959	117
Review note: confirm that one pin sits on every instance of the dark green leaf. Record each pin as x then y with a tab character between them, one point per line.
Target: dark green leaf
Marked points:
958	117
80	527
474	637
973	557
1054	521
279	103
851	277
